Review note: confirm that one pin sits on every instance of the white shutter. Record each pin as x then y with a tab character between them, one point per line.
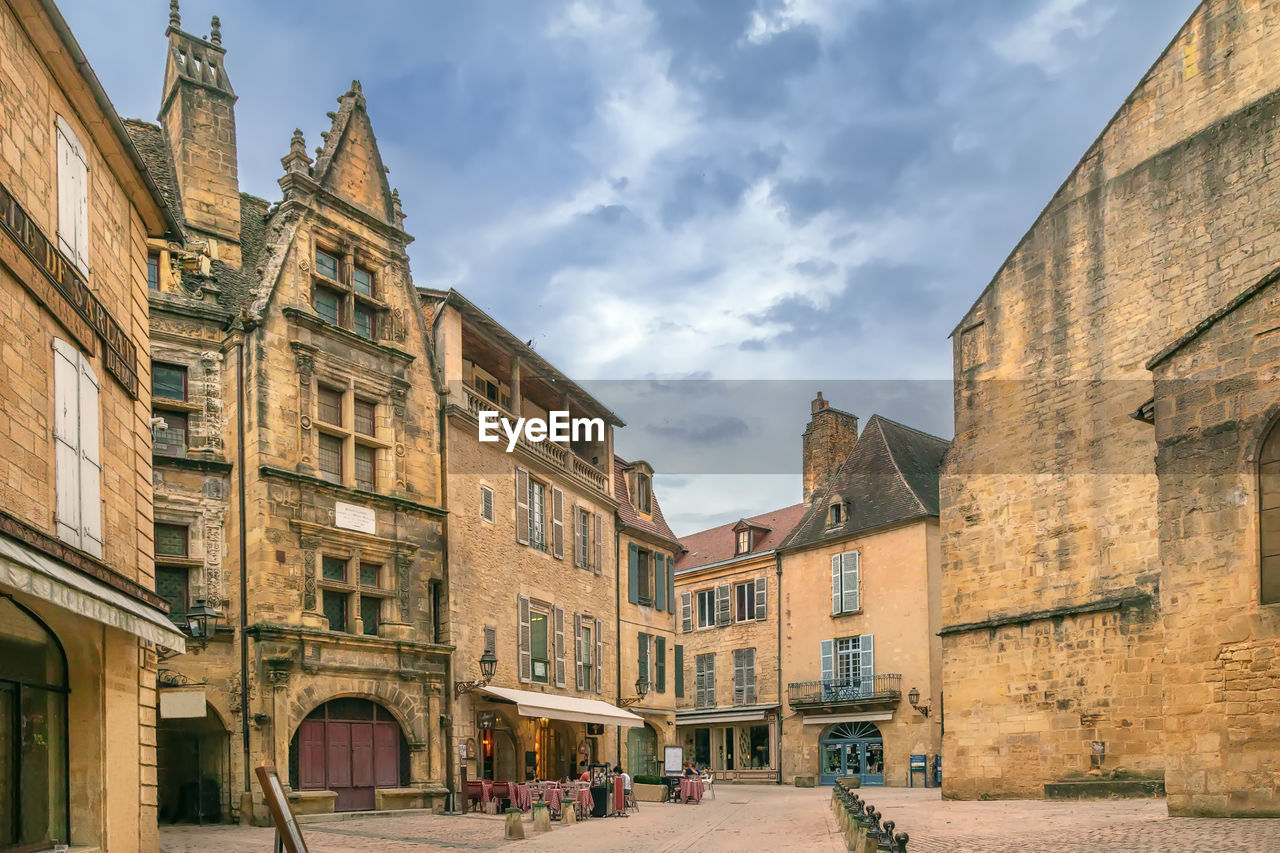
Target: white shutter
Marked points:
762	592
557	523
835	583
578	667
73	202
577	536
827	655
522	506
866	665
523	639
686	612
849	582
599	656
66	433
561	675
90	463
599	544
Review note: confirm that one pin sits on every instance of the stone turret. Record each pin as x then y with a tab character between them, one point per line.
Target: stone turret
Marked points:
828	439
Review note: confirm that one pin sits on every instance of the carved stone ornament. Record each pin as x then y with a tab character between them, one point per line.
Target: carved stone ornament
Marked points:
304	264
305	422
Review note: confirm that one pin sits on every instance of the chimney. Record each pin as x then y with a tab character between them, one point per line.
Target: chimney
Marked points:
828	438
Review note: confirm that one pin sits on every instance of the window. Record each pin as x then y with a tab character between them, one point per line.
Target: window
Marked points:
335	609
153	271
363	322
370	613
844	583
365	472
329	305
537	514
835	515
326	265
847	659
329	405
365	413
78	501
586	664
644	493
744	676
362	280
539	647
168	381
171	438
73	198
172	584
331	459
744	541
582	540
369	574
486	503
744	602
759	756
848	667
333	569
706	608
705	681
171	540
644	578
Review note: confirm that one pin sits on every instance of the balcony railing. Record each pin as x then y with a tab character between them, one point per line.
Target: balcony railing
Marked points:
557	455
882	688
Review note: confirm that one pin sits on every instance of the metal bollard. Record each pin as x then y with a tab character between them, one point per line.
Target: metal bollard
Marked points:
886	837
900	841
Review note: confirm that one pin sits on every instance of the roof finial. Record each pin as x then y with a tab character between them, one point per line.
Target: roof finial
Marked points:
397	212
175	19
298	145
215	32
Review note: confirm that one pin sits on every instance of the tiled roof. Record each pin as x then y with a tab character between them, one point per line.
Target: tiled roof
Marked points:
890	475
656	526
721	543
149	140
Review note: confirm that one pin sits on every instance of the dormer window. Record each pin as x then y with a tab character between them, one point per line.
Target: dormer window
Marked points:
835	514
326	265
644	493
744	541
344	296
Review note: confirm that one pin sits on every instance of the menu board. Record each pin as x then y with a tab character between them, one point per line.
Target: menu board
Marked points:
287	831
673	760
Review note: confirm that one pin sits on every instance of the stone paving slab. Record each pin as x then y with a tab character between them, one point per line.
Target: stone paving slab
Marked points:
768	817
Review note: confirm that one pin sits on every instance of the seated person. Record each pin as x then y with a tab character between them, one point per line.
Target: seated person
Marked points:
626	777
690	770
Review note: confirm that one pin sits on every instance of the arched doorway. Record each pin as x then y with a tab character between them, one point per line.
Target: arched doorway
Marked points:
642	750
349	746
853	749
33	732
498	754
193	764
556	750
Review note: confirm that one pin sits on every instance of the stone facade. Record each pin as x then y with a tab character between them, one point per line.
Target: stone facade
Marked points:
1050	513
76	211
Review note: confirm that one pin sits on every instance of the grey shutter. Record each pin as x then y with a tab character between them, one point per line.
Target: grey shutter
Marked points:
678	663
660	663
486	503
557	523
835	584
642	657
700	681
686	612
762	593
522	506
827	654
749	677
599	656
659	582
90	463
711	680
739	676
849	582
671	585
723	610
577	650
523	640
66	434
866	665
599	544
633	573
558	613
577	536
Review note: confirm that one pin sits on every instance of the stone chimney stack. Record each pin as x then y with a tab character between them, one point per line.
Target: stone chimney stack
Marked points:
197	112
828	439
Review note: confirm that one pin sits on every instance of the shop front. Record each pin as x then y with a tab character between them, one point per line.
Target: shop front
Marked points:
738	745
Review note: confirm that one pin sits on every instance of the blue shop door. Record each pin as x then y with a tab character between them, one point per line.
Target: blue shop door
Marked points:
853	749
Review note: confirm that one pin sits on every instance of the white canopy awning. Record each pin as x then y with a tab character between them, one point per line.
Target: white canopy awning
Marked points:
27	570
530	703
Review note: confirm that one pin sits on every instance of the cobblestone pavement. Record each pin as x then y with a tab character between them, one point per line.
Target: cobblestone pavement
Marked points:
766	818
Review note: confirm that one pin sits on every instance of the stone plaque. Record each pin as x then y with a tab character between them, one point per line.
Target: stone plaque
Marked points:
352	517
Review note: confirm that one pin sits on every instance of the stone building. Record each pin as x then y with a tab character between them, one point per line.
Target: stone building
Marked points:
299	488
532	555
81	628
1055	580
727	679
646	616
860	579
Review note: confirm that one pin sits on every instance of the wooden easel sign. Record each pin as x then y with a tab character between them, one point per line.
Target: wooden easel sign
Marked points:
288	835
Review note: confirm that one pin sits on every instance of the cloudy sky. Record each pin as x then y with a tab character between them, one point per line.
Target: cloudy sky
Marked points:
665	195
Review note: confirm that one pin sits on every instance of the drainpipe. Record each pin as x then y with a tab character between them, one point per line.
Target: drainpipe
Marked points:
244	551
617	623
777	561
446	594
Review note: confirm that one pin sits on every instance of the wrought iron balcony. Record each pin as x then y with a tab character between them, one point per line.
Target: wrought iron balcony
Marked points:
881	689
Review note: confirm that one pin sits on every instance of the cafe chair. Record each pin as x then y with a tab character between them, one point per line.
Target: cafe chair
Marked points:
708	783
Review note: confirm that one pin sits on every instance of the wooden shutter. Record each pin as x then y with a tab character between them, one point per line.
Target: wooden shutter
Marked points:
311	755
762	593
557	523
523	641
66	432
749	677
671	585
486	503
659	582
577	650
522	506
599	656
835	584
678	663
660	663
642	657
723	609
686	612
633	573
849	582
73	198
739	676
827	655
700	681
90	463
866	665
598	564
561	675
577	536
711	679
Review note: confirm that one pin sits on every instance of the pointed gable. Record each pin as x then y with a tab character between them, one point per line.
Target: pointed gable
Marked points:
349	164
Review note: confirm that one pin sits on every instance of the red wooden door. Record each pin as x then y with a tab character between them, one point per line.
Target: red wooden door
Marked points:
362	755
311	757
386	755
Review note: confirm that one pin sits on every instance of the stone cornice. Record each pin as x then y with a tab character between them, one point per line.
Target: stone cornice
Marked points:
1130	599
383	501
311	321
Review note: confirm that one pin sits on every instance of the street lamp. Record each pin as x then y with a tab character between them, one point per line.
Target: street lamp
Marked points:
488	666
913	696
202	622
642	688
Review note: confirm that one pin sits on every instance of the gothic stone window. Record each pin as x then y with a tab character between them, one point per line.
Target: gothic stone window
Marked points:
170	403
348	445
344	293
353	586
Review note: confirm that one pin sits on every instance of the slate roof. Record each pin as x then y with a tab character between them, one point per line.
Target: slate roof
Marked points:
657	526
717	544
890	476
149	139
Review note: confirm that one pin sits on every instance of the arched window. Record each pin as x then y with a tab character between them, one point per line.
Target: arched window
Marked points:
33	731
1269	505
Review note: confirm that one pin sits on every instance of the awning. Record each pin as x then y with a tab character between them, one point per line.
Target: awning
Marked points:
29	571
728	715
530	703
865	717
